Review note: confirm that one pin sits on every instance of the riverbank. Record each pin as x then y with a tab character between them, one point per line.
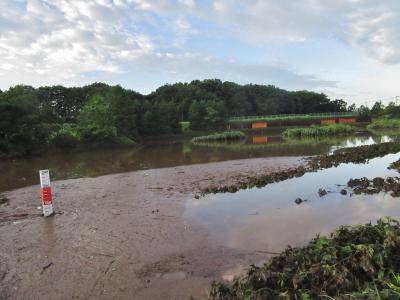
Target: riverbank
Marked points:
121	236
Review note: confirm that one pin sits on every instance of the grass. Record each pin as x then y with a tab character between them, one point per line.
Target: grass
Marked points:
293	117
384	123
223	136
354	262
318	130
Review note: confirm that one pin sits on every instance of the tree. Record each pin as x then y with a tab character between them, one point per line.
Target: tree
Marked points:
96	121
197	115
377	108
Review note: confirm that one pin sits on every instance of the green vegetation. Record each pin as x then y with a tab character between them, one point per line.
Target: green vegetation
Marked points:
185	125
358	262
32	119
384	123
320	130
223	136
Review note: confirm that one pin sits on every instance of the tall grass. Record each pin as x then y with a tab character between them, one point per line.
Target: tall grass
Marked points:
223	136
320	130
384	123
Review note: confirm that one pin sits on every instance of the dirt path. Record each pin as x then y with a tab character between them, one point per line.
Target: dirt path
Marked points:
119	236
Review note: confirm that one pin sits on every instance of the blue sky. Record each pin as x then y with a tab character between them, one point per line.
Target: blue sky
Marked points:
345	48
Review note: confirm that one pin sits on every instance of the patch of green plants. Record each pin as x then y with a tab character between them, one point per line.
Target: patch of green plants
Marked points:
318	130
354	262
384	123
223	136
185	125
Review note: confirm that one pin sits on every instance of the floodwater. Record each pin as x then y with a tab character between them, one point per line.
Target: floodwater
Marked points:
268	219
166	152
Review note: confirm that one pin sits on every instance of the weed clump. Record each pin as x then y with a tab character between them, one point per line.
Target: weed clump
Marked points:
223	136
318	130
355	262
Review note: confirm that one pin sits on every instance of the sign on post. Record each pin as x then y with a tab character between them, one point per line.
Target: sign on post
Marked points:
47	199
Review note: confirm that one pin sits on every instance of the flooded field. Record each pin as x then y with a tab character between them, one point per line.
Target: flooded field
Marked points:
161	153
268	219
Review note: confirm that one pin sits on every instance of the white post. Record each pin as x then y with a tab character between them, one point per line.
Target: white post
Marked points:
47	199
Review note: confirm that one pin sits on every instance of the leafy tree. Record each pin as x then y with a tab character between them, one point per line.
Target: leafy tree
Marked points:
96	121
377	108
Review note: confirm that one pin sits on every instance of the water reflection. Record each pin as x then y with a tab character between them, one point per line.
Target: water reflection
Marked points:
268	218
160	153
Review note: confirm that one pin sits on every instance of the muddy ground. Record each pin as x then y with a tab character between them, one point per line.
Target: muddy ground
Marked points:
120	236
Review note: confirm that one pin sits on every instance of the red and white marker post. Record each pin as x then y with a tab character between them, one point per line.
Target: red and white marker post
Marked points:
47	199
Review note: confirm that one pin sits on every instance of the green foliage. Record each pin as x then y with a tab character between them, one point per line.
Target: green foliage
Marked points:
23	124
65	137
223	136
34	118
320	130
185	125
359	262
96	121
384	123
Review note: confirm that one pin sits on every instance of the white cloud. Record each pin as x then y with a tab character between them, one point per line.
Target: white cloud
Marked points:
62	41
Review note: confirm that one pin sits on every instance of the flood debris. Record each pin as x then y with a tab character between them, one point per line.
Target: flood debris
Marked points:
354	262
395	165
3	199
256	181
322	192
298	201
378	184
359	154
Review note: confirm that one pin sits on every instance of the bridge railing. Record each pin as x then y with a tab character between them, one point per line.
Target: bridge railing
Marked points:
316	115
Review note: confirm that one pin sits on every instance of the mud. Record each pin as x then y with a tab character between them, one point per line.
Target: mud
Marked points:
121	236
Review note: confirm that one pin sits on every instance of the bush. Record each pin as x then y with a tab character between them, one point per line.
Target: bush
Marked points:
224	136
67	136
318	130
359	262
384	123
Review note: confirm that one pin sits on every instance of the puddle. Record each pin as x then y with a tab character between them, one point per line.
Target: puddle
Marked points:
268	219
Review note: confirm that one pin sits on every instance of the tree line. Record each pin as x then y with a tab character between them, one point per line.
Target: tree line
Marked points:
35	118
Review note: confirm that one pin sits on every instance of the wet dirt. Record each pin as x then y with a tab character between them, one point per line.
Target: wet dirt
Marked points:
121	236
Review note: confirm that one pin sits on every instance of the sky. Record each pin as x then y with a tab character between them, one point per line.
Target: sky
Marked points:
348	49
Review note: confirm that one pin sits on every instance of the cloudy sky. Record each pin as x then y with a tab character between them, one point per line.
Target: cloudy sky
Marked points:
346	48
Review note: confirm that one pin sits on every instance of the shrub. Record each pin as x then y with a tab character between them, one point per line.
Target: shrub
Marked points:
66	136
359	262
384	123
318	130
223	136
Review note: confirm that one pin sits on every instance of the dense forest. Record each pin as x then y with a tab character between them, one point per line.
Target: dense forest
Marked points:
32	119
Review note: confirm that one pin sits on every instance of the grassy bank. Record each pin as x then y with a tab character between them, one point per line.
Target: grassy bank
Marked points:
358	262
384	123
223	136
315	131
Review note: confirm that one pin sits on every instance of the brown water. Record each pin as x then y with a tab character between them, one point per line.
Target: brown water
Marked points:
268	219
160	153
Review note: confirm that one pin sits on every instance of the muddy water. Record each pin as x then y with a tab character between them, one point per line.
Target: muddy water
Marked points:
268	219
159	153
